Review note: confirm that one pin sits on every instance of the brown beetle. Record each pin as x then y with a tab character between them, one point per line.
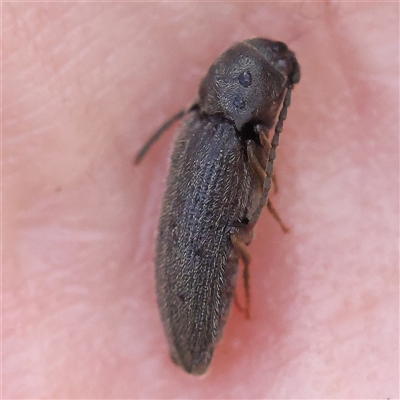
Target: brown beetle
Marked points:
218	184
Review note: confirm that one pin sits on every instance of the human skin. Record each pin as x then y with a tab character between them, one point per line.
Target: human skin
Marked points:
84	86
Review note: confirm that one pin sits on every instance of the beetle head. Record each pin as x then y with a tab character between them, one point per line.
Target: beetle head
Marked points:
246	84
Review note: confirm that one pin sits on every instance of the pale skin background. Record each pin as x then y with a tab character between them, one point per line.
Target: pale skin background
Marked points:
84	86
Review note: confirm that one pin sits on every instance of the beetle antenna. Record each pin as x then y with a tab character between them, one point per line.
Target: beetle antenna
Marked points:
269	169
157	135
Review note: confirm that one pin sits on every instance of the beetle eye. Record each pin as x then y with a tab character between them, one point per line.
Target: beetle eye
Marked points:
282	64
239	103
245	78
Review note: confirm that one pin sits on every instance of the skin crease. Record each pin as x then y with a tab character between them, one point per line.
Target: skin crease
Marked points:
84	86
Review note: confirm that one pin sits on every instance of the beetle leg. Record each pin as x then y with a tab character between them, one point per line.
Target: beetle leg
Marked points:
269	169
263	138
262	135
275	214
255	165
237	304
275	183
240	238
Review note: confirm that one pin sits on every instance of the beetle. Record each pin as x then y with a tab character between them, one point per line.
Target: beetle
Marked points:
219	180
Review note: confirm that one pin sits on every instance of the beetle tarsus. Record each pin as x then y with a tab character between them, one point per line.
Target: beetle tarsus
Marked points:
275	214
